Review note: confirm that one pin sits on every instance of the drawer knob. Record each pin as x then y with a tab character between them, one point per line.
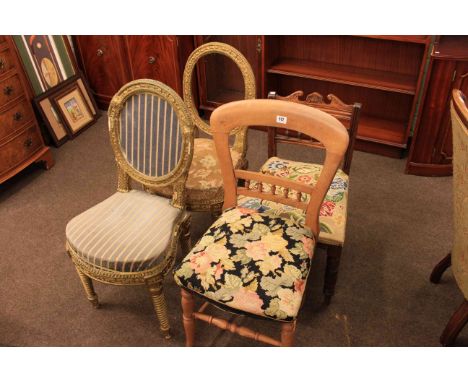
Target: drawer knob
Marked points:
7	90
28	142
99	52
17	116
2	64
151	60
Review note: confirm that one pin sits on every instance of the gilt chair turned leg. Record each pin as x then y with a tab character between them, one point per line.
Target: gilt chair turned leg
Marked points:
455	325
88	287
331	271
155	288
440	268
287	333
187	317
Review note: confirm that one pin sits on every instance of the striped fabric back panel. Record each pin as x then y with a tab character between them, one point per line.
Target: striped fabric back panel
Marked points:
150	135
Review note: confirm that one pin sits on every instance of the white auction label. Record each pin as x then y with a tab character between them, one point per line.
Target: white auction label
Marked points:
281	119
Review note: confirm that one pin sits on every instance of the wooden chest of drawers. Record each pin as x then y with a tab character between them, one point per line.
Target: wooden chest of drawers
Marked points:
20	139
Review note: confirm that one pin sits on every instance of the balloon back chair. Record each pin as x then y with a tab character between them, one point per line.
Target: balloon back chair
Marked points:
252	261
204	183
333	214
132	237
458	258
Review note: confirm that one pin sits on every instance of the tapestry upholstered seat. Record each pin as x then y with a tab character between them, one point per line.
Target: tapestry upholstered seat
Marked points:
132	237
204	181
334	208
127	232
251	261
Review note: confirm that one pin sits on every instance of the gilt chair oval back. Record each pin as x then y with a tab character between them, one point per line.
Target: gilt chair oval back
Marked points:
151	133
249	86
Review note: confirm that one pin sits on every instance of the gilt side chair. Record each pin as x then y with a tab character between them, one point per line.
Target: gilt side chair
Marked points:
334	211
458	258
252	261
204	184
132	237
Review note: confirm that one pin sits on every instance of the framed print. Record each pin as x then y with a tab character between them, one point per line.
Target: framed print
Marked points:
74	109
48	60
52	120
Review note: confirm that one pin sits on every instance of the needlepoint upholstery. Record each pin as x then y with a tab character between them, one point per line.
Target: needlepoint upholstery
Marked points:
251	261
127	232
334	208
204	180
150	134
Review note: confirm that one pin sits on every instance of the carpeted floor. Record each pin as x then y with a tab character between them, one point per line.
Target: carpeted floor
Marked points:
399	226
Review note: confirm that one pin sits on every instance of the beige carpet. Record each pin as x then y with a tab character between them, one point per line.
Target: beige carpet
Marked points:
399	227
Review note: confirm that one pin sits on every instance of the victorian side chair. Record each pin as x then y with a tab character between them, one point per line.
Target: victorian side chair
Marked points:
132	237
458	258
333	214
204	183
253	261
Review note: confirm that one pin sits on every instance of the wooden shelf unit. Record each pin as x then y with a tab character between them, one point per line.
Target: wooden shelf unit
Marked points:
383	73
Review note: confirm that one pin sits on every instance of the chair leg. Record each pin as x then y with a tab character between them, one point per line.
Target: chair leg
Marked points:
155	288
455	325
287	333
331	271
440	268
88	287
187	317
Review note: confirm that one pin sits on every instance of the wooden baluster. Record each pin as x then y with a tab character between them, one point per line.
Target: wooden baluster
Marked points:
286	192
273	189
298	195
247	184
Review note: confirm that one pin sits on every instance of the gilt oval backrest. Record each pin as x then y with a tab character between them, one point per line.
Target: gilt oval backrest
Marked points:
151	132
459	114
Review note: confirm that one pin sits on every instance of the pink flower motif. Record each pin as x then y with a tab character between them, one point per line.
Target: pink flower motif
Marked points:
327	208
247	300
246	211
299	286
200	262
257	250
308	245
304	179
218	271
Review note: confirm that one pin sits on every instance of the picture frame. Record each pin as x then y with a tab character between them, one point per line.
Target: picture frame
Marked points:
48	60
71	103
55	119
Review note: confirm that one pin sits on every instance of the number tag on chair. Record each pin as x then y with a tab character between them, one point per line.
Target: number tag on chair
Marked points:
281	119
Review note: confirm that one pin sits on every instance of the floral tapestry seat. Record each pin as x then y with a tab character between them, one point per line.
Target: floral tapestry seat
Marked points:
334	208
204	181
251	261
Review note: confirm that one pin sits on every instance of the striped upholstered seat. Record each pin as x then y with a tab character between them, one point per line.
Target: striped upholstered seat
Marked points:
127	232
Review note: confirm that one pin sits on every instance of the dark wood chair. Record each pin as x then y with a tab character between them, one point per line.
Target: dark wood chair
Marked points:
333	214
458	258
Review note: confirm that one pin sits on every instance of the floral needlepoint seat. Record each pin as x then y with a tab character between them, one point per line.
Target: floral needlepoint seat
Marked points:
256	261
334	207
251	261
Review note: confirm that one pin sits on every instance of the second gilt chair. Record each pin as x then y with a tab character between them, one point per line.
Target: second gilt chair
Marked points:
131	237
333	214
204	183
251	261
458	258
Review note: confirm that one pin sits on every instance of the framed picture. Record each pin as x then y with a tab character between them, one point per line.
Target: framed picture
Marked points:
48	60
67	109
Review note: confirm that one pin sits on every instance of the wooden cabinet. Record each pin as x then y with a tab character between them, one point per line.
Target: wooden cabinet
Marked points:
20	139
431	149
109	62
